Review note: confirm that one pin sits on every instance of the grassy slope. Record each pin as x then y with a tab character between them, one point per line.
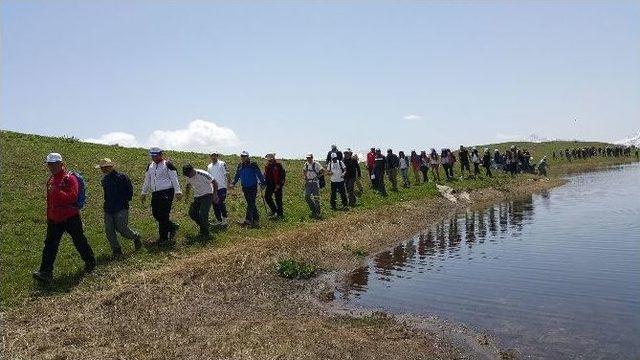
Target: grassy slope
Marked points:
22	206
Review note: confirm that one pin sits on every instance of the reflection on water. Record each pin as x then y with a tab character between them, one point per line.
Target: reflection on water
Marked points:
444	241
554	275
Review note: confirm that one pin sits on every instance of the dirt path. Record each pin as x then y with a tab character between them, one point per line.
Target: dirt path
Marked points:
229	302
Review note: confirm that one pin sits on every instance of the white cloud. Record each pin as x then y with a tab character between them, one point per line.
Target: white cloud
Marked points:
113	138
199	135
412	117
508	137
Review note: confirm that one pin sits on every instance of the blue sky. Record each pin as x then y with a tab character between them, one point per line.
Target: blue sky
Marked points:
294	77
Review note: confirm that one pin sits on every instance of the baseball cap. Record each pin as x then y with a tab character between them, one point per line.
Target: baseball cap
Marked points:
309	155
244	153
155	151
54	158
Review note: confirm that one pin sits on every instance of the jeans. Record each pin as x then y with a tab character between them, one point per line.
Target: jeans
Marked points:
220	208
338	187
199	212
269	194
73	226
312	196
250	193
161	202
405	177
350	186
118	222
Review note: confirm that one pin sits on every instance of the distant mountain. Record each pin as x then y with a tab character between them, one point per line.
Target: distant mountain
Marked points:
633	139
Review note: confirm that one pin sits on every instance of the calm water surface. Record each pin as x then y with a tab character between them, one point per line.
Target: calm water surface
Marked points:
555	275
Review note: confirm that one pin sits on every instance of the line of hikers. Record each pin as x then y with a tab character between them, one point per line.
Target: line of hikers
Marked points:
66	192
588	152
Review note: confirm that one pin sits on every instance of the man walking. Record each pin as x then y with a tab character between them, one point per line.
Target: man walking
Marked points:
118	192
371	163
63	215
205	190
218	171
274	175
351	175
250	176
161	179
463	154
337	170
311	172
378	173
392	169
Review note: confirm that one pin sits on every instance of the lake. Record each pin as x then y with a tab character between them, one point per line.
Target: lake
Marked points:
555	275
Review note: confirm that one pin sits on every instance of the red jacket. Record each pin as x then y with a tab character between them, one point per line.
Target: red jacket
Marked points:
62	197
273	174
371	159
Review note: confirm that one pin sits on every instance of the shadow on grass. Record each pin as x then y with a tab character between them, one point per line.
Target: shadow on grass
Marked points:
65	283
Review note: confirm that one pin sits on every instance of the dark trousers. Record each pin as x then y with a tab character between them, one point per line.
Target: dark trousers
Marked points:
350	187
476	169
448	171
199	212
220	208
338	187
250	194
379	182
464	165
269	193
73	226
487	169
425	173
161	208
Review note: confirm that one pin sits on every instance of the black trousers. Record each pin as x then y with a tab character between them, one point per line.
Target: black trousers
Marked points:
199	212
487	170
464	165
269	193
379	182
350	187
250	194
161	202
73	226
338	187
476	169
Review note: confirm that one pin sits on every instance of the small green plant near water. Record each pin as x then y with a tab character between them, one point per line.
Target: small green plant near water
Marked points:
355	251
292	269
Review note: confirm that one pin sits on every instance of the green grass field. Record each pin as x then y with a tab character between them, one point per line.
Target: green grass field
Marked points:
22	207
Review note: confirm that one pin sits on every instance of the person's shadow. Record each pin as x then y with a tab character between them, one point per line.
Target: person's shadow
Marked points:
66	282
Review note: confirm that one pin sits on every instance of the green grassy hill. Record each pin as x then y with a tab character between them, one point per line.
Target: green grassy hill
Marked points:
22	207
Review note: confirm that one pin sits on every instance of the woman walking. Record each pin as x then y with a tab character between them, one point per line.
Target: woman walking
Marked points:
415	166
434	163
475	159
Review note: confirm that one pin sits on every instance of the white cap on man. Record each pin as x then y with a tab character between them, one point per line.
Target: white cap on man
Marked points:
244	153
309	155
54	158
155	151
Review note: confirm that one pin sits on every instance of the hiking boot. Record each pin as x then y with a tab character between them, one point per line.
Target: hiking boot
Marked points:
89	267
42	276
117	254
137	243
173	231
224	222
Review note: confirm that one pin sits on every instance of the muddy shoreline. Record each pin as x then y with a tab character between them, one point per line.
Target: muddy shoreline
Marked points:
229	303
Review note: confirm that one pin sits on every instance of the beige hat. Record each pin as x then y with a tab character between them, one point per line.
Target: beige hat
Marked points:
105	163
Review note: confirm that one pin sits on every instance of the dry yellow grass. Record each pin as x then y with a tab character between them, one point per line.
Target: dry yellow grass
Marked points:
229	302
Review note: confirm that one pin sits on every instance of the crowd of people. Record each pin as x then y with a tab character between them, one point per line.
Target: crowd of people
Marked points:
588	152
66	191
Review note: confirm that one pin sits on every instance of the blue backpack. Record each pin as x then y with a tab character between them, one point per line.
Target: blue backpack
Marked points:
82	189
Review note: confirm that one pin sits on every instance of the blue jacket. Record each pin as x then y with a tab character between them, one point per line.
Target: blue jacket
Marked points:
249	175
118	191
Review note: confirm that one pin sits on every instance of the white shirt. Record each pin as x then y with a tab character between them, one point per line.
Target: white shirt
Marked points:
310	174
201	183
404	163
337	169
218	172
161	176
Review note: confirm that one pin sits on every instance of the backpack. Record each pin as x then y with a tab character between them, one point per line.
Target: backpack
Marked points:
82	189
321	181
